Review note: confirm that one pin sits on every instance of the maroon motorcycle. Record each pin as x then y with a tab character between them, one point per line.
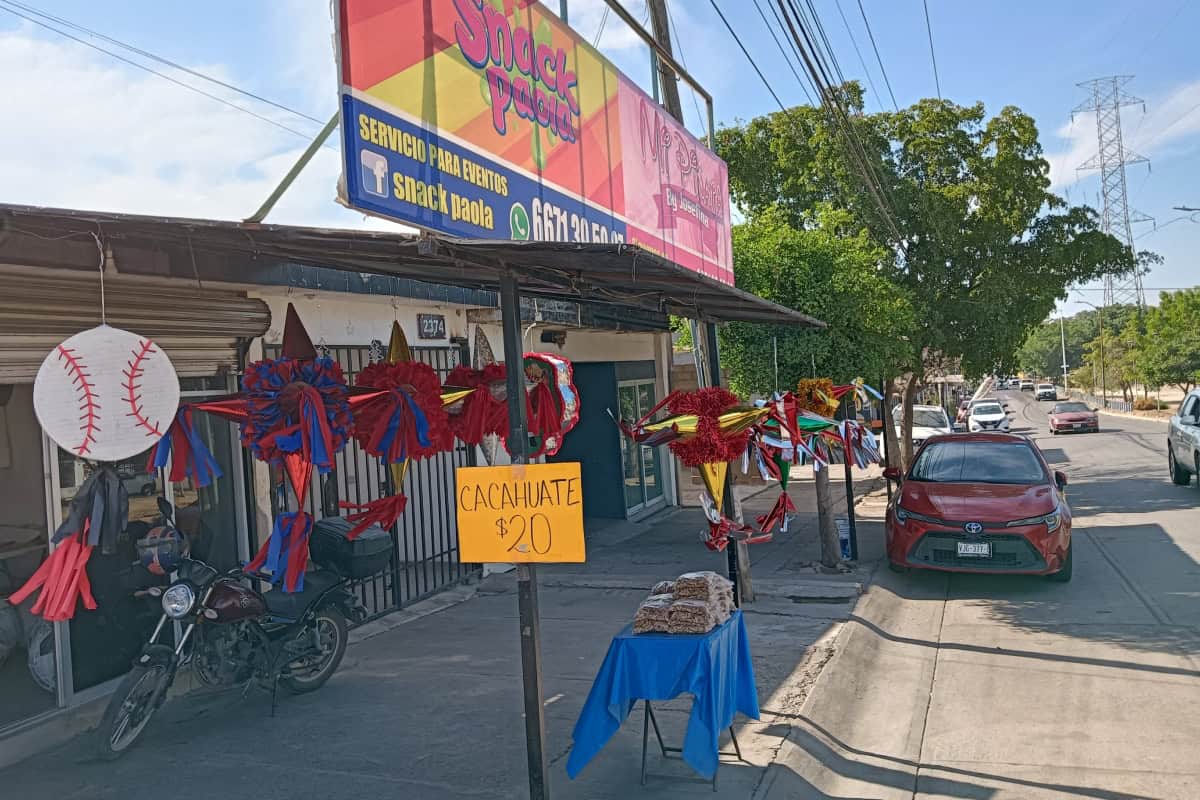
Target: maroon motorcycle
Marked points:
232	633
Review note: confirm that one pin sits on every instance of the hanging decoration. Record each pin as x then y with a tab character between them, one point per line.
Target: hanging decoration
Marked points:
95	518
297	417
106	394
483	410
706	429
408	421
796	432
553	401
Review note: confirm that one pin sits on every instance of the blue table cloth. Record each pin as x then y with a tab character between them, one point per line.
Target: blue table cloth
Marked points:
715	667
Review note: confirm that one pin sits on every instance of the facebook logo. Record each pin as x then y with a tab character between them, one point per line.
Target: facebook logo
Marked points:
374	173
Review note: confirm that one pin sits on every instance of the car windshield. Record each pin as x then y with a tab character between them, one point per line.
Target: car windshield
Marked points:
1070	408
974	461
928	418
1045	385
988	409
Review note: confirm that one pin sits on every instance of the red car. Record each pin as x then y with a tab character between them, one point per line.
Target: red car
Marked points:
980	502
1073	416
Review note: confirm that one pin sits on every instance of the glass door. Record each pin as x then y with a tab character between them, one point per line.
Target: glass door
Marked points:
642	466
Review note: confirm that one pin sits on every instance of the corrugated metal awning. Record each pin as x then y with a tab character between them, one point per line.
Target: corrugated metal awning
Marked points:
198	328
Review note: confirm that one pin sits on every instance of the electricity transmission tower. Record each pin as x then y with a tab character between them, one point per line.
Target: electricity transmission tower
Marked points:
1107	95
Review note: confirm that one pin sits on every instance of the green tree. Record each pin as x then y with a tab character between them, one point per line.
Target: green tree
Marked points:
834	278
974	234
1170	350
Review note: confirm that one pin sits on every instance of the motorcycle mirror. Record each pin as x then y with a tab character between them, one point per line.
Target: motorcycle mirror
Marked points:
164	508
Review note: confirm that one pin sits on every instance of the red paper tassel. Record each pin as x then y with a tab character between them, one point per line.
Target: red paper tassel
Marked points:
783	506
384	512
63	581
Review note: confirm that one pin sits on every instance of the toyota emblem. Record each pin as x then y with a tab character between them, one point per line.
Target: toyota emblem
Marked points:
973	527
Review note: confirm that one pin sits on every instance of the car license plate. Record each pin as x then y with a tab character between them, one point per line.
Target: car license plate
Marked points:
975	549
1077	425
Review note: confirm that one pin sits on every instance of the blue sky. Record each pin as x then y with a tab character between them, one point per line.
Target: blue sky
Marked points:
83	129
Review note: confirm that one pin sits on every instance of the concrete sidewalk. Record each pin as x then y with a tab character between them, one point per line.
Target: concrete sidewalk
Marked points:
432	708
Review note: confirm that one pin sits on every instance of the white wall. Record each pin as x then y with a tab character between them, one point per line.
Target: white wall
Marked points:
347	319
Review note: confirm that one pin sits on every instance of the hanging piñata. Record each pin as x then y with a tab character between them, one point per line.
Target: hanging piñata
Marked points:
407	421
297	417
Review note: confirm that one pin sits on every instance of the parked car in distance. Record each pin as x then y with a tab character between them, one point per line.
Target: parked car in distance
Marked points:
1046	391
988	417
1073	416
1183	441
1025	385
927	421
981	502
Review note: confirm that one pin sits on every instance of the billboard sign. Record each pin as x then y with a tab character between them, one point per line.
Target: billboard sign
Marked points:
491	119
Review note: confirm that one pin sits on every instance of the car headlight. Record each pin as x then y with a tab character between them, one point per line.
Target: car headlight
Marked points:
178	600
903	515
1052	521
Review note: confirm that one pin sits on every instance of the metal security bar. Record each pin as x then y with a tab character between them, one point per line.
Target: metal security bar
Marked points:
425	555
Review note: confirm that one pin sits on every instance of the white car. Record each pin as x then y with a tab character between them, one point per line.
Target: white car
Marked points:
1046	391
927	421
988	417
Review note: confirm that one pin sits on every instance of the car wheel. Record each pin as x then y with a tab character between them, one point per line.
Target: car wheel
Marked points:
1178	476
1064	573
1053	432
148	490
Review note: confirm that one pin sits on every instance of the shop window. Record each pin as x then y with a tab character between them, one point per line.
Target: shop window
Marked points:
27	649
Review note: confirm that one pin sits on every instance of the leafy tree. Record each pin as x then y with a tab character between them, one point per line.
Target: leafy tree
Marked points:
836	279
1170	350
982	246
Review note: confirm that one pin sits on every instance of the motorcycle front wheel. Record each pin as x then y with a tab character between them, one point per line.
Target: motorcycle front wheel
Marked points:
310	673
129	710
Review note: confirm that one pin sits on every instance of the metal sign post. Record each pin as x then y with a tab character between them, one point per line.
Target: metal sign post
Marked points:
527	597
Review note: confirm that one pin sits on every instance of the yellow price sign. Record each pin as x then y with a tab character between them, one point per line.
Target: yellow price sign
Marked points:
520	513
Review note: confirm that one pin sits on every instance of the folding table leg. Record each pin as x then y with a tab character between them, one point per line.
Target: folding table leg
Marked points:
657	733
645	738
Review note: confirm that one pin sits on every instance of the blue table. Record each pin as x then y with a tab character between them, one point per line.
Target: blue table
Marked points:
714	667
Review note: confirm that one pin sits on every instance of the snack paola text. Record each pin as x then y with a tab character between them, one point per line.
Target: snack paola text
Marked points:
487	38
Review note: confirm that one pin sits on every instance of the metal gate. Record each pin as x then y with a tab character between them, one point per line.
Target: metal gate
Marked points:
425	538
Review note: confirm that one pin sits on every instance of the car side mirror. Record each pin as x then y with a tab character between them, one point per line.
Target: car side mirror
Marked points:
1060	479
891	473
1187	419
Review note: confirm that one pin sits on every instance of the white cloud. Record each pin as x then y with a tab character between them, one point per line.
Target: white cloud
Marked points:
1169	127
87	132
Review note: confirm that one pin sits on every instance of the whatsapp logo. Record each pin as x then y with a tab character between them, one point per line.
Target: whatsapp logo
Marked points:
518	222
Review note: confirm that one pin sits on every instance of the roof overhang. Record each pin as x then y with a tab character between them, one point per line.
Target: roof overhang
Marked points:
620	275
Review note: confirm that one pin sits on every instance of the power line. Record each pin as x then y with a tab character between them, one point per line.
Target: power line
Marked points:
746	52
862	62
820	28
152	71
600	30
795	49
783	52
858	158
932	55
878	59
160	59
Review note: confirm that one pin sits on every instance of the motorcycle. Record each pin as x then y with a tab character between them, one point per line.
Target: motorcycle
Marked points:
232	634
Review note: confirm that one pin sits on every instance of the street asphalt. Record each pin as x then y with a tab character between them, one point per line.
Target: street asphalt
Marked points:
972	686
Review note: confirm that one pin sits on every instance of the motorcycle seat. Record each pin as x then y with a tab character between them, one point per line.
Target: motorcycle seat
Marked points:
291	605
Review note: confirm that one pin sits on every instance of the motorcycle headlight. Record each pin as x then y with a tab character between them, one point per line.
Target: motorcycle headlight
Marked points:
178	600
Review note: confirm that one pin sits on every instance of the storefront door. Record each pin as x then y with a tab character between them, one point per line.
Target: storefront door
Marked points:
643	467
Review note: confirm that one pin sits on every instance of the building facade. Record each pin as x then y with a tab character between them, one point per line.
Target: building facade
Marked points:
52	675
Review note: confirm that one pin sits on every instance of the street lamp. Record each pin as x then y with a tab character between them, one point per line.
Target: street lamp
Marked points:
1103	371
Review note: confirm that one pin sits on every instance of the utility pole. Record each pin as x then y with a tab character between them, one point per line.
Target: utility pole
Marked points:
1062	332
661	27
706	332
1107	96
